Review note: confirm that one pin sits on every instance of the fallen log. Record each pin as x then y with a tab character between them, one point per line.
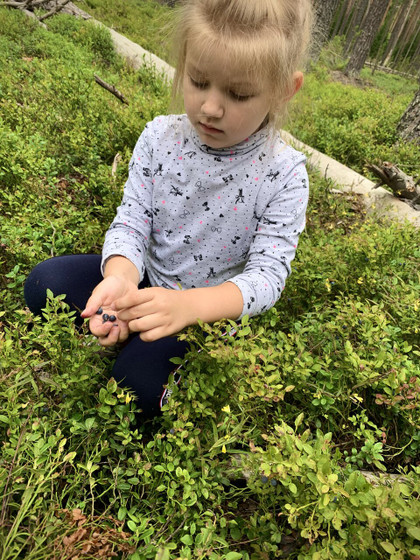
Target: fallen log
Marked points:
403	186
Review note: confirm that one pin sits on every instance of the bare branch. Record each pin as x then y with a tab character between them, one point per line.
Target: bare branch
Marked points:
54	10
111	89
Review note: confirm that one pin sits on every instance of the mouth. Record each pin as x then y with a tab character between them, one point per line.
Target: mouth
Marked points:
209	129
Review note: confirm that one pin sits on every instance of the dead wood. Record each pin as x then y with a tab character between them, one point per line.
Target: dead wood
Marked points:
28	6
111	89
403	186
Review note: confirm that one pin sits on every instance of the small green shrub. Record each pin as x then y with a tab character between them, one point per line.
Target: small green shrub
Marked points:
323	386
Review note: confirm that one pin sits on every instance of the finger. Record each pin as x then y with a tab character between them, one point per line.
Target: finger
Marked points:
138	311
154	334
123	332
112	338
146	323
92	306
99	328
133	299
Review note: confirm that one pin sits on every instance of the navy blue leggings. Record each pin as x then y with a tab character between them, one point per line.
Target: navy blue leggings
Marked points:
142	366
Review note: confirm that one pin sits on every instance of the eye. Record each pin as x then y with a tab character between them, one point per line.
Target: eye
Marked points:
239	97
198	85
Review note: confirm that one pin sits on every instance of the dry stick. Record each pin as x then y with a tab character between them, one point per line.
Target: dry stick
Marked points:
54	10
20	5
111	89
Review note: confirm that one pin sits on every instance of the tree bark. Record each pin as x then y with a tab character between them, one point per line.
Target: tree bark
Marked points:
362	48
396	32
409	126
356	24
324	14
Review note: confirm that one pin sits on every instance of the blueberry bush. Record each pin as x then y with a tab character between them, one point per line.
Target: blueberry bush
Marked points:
311	451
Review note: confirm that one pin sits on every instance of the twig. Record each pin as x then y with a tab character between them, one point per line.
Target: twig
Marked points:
111	89
57	8
115	163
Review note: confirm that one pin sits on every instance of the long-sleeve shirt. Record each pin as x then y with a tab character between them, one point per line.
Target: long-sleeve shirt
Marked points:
194	216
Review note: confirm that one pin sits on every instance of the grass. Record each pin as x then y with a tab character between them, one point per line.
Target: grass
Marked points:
323	386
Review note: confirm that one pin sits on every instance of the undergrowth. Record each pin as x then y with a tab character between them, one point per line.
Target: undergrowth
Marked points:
298	437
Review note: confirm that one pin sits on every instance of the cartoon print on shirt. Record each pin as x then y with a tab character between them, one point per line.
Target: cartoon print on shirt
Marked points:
240	197
187	239
235	239
158	170
175	191
268	222
214	229
273	176
206	206
211	274
199	186
251	301
184	214
190	154
147	172
227	179
198	257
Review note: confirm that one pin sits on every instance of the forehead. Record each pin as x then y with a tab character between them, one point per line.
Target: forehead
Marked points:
216	61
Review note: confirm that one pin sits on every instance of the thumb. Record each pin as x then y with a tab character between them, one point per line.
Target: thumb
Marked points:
92	306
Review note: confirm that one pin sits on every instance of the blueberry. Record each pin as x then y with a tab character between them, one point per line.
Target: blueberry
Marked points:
264	479
273	482
105	317
112	318
100	311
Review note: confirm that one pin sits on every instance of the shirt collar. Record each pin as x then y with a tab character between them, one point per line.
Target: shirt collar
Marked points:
248	145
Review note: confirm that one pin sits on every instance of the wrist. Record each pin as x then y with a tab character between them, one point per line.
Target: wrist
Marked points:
122	268
212	304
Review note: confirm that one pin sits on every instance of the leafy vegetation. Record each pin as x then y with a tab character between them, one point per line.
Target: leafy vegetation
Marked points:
320	389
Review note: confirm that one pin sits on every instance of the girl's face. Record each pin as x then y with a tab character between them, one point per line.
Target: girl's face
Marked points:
222	104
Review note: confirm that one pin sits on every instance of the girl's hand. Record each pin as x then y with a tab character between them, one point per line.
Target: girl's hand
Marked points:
154	312
103	297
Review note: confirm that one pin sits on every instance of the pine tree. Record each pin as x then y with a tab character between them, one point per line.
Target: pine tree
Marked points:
362	47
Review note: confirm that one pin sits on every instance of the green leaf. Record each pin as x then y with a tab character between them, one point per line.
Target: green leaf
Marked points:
122	512
187	539
414	532
388	547
233	556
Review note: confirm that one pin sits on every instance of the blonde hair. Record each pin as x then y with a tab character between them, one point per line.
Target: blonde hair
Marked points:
268	39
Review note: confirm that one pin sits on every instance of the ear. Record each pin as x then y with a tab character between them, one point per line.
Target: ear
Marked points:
297	83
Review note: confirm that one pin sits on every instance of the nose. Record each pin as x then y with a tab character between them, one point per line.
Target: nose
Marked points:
213	103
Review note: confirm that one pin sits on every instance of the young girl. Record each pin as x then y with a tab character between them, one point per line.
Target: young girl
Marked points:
214	202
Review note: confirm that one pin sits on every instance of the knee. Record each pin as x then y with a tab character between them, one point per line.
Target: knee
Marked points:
39	280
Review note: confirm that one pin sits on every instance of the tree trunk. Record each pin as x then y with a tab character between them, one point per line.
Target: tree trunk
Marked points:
361	50
339	18
398	29
324	14
407	41
346	16
409	126
358	17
